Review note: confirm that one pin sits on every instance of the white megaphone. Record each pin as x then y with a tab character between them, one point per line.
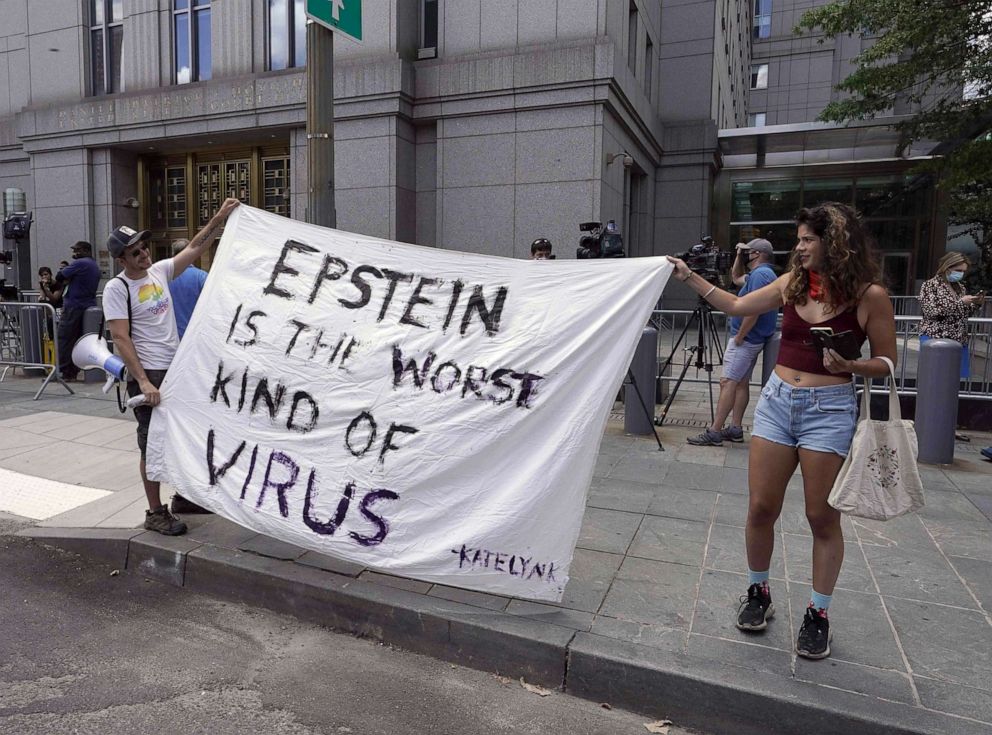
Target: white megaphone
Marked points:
91	353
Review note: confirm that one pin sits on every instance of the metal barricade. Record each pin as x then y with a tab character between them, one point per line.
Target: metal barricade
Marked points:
977	387
28	341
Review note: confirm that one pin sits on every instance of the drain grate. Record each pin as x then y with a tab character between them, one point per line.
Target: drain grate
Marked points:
689	423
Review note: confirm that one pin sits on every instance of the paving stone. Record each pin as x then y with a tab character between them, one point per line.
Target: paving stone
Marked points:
708	456
977	574
652	592
862	634
219	531
726	552
400	583
972	539
707	477
935	479
670	539
923	575
950	507
737	456
273	548
854	574
731	510
675	502
574	619
640	468
330	564
646	634
470	597
716	612
888	684
625	495
943	642
608	530
747	654
982	502
956	699
591	575
604	465
906	531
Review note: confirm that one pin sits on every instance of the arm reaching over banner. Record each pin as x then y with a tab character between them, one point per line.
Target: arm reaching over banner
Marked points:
203	238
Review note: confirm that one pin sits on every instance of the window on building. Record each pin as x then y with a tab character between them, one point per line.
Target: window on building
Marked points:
106	36
759	76
648	67
191	30
762	18
756	119
632	37
428	29
287	30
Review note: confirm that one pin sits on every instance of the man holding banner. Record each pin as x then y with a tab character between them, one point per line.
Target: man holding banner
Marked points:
137	305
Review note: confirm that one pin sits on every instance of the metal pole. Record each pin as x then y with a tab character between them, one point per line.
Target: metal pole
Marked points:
320	126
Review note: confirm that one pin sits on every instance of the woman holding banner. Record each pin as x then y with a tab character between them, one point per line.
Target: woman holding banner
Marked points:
807	412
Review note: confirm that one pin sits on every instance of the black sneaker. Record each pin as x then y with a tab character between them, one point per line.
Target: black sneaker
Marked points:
182	505
756	609
162	521
814	636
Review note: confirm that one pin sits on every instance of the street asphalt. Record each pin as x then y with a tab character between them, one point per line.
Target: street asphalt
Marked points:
646	622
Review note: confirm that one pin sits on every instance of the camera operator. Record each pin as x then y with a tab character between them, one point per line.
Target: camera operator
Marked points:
751	271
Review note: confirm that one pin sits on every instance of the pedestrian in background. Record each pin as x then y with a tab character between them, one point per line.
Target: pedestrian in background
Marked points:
946	306
807	412
78	282
186	289
752	270
540	249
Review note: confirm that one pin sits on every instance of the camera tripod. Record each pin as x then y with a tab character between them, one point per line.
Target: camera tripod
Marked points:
708	346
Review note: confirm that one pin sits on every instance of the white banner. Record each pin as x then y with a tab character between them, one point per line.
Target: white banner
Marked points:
429	413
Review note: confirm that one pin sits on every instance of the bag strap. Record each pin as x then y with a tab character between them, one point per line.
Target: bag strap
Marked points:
127	292
895	410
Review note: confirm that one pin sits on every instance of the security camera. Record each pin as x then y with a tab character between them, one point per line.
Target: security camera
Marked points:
628	160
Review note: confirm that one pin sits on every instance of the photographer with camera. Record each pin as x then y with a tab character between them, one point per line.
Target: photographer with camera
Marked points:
751	270
808	411
601	242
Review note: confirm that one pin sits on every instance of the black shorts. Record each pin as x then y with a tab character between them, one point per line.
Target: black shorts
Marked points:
144	413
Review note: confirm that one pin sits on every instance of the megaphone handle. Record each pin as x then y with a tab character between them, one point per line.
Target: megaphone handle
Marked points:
137	400
109	384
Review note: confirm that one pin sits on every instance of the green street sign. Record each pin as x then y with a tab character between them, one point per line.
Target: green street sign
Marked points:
343	16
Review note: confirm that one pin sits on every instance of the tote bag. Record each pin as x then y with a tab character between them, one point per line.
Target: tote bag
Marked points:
880	478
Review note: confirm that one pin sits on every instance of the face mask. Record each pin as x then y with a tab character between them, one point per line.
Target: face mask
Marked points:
955	276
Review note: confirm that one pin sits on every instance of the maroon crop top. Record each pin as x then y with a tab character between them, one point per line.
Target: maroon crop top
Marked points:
797	351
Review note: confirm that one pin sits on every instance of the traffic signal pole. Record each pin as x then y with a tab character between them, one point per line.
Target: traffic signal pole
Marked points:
320	126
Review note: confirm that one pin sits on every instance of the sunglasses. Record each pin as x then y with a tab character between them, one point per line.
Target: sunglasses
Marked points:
139	249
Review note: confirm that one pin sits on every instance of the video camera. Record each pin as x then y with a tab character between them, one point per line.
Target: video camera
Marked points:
601	242
707	260
17	225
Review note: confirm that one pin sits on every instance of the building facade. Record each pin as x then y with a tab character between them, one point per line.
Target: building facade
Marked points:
462	124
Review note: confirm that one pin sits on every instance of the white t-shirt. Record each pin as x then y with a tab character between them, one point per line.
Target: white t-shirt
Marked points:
153	319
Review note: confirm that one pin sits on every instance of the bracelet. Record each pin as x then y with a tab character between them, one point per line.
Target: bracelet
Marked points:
686	278
712	289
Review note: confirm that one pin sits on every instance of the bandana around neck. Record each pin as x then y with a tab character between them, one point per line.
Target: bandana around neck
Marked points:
817	288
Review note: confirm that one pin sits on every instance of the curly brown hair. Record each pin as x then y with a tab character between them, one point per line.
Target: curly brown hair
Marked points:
850	260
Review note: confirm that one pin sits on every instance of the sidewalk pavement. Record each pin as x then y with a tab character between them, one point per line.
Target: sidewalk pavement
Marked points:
647	621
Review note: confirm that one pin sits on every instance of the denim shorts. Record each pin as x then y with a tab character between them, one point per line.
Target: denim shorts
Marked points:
819	419
739	359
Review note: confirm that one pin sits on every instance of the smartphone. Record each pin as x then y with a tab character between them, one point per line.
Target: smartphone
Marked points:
844	344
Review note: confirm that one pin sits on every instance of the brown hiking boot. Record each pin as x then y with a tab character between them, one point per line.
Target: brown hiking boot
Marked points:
162	521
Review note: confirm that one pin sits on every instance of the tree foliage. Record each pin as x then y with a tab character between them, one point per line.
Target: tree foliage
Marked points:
935	55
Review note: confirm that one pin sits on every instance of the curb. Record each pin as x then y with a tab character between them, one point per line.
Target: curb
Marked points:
694	692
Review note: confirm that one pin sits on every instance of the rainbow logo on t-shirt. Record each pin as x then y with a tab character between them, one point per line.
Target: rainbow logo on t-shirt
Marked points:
155	295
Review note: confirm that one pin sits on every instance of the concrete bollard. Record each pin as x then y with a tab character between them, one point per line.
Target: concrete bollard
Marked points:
644	368
92	322
937	382
769	356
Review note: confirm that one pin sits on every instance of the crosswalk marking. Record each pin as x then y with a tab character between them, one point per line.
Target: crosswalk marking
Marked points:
39	499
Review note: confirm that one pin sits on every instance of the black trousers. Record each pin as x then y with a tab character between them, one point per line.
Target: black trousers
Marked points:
70	330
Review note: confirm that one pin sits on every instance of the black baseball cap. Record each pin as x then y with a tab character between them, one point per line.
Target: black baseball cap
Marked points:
124	237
